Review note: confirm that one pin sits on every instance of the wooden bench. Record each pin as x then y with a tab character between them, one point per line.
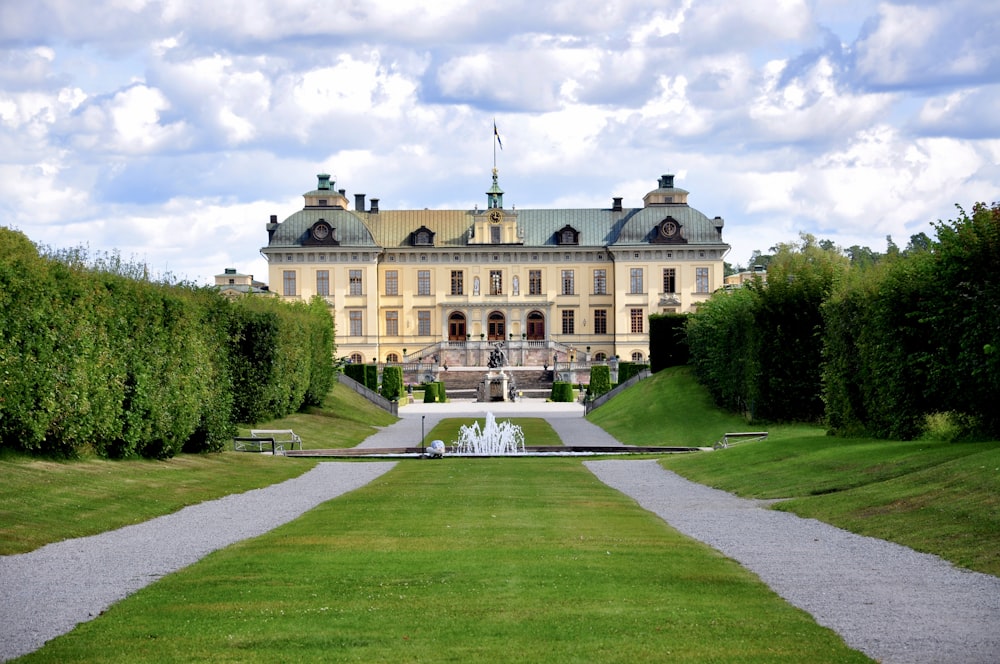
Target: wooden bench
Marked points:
252	444
285	438
738	436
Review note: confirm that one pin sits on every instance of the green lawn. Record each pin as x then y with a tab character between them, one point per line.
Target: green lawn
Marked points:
463	560
535	429
47	501
937	497
491	560
344	420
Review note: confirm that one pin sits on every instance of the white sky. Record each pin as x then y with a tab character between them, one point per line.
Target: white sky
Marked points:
169	130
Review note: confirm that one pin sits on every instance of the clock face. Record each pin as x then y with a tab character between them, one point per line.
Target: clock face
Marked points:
669	229
496	216
321	231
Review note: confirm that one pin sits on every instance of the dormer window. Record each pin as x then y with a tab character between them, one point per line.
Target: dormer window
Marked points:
322	202
422	237
568	235
668	231
321	233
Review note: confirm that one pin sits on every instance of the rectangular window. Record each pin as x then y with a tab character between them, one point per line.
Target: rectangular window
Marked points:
424	323
637	318
600	282
392	323
423	282
457	282
494	235
288	282
534	282
567	282
354	280
701	279
568	320
669	280
323	282
600	321
391	282
356	329
496	282
635	280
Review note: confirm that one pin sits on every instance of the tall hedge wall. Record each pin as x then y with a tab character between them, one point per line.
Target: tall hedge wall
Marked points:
918	334
97	358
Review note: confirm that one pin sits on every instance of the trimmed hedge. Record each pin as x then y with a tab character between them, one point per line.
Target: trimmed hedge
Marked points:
600	380
562	391
392	383
94	356
430	392
442	396
628	369
667	341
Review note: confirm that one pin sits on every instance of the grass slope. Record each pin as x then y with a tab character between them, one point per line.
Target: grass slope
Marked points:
345	419
461	561
937	497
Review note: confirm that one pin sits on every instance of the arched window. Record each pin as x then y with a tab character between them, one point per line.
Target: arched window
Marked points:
600	356
357	359
637	356
456	326
536	326
392	357
496	326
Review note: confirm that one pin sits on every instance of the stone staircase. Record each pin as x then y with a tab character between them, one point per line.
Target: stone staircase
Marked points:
463	382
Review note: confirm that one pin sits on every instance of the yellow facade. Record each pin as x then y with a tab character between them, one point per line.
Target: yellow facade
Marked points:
410	284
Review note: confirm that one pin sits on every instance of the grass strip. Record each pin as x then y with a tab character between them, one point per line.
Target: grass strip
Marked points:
536	430
935	497
48	501
462	560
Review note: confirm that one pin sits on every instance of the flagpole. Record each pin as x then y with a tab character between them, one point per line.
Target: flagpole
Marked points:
494	141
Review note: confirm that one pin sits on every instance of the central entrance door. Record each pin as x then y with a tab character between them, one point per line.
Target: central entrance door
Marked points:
536	326
496	327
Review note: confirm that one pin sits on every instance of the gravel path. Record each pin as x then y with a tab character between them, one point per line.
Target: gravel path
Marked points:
886	600
889	602
46	592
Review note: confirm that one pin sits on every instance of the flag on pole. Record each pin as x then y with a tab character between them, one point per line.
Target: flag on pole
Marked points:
497	134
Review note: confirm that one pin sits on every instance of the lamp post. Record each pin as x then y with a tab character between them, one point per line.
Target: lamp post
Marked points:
422	417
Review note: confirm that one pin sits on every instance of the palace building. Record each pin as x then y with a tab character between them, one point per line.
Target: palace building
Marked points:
450	284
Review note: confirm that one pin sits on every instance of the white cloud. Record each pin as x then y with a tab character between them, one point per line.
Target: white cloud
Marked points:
811	106
886	54
172	128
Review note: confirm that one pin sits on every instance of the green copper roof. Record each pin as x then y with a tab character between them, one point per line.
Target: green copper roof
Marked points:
597	227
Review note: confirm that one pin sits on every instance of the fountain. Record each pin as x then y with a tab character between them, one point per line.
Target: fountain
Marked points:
493	439
497	384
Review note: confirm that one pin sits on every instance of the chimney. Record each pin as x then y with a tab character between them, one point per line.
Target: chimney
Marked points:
359	202
616	204
272	226
374	209
342	192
